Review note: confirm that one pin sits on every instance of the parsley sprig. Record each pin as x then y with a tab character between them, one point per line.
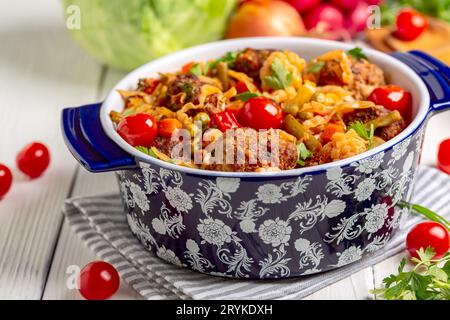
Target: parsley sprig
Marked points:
229	58
245	96
315	67
362	131
428	280
280	78
357	53
303	154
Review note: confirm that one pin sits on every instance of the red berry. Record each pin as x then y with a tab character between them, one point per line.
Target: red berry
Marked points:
444	156
428	234
98	281
5	180
33	160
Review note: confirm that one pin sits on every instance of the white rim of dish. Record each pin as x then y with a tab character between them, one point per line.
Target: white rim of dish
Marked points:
424	108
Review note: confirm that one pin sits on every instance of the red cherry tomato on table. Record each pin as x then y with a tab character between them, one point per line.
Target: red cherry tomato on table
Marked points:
5	180
444	156
138	130
393	98
33	160
260	113
98	281
410	24
428	234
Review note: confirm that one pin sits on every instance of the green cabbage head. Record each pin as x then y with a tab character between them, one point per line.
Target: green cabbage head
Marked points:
128	33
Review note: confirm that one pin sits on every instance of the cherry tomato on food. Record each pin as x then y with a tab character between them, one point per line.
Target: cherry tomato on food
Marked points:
138	130
444	156
166	127
241	87
428	234
33	160
98	281
260	113
5	180
393	98
410	24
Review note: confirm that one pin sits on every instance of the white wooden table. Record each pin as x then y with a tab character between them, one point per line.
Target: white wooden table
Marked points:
42	71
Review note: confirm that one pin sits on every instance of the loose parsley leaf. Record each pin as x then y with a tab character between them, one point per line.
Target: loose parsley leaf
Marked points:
315	67
280	78
196	69
362	131
303	154
245	96
357	53
146	150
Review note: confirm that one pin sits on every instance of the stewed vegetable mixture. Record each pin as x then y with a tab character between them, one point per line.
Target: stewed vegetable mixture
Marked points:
333	107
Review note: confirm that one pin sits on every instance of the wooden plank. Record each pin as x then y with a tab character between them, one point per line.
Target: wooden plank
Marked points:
70	249
355	287
42	71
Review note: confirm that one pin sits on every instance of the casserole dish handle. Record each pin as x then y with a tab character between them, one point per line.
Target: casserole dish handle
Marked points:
434	73
87	141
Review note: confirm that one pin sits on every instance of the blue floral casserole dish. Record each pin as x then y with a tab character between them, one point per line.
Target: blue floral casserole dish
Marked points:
271	224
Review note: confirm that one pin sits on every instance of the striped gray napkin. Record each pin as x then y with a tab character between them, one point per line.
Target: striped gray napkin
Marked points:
102	225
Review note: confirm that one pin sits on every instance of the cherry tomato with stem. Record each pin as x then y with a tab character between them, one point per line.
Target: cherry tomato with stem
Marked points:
410	25
138	130
428	234
99	280
444	156
5	180
393	97
260	113
33	160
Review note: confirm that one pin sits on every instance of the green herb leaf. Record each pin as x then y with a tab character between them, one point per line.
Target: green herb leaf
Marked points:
315	67
357	53
229	58
196	69
362	131
146	150
280	78
426	281
303	154
431	215
245	96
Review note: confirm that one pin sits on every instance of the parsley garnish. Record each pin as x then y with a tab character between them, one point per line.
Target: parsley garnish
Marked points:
303	154
357	53
280	78
426	281
228	58
362	131
196	69
146	150
245	96
315	67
